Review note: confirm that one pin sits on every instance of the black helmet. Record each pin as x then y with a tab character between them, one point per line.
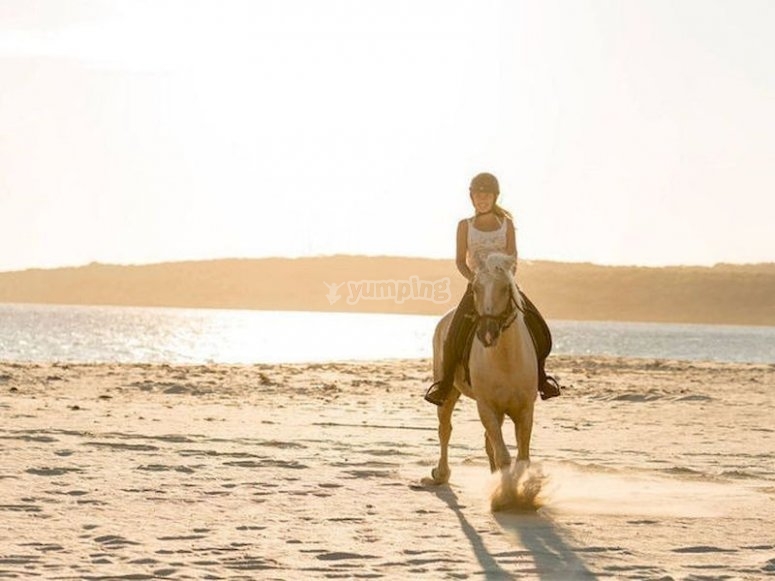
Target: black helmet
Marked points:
484	182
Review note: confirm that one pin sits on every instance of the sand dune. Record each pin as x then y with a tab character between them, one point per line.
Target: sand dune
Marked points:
653	469
724	294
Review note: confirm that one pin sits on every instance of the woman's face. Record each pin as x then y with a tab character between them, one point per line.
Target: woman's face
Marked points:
483	201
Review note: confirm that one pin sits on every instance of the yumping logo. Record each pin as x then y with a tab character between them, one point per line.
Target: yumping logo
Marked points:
400	291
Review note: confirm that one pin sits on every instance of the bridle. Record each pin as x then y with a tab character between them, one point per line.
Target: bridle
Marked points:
506	318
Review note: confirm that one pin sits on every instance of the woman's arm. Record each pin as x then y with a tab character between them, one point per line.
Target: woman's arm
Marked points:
462	250
511	242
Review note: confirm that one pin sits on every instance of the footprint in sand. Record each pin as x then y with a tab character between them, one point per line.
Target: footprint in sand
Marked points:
51	471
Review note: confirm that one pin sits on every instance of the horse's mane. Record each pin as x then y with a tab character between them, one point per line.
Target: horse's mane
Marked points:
497	263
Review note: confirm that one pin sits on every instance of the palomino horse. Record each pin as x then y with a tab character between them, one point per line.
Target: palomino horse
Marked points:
503	367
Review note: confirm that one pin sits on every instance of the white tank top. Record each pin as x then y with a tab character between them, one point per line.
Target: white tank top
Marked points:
481	244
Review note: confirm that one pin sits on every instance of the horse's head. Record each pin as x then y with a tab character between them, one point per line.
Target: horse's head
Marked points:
496	297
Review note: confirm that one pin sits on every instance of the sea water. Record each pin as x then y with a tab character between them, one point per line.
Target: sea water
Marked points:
51	333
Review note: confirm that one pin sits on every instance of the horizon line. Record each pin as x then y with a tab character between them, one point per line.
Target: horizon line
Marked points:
371	256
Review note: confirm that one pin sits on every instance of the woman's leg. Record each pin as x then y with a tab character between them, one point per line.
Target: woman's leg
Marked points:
542	339
453	348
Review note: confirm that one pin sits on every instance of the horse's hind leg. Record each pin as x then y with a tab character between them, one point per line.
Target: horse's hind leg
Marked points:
441	473
497	451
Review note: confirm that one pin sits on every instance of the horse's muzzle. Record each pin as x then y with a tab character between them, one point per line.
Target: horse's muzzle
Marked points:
488	331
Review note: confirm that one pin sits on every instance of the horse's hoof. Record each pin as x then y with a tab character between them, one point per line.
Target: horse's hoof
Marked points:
438	477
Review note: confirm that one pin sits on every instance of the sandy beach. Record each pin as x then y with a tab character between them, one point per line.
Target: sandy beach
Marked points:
651	470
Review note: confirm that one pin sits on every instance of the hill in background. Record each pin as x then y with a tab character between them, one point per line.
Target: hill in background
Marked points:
723	294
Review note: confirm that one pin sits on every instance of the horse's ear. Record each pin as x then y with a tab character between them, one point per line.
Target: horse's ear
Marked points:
507	263
512	264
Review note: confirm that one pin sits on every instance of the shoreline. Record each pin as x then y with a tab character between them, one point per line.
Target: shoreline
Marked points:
554	360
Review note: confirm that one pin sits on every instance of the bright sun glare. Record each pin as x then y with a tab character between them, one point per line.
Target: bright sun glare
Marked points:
176	130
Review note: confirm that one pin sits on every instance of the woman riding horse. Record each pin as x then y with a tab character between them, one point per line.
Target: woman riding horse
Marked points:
490	230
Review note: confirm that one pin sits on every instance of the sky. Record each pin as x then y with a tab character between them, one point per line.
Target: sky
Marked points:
625	132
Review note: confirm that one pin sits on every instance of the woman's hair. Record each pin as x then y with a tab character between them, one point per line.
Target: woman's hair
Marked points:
501	212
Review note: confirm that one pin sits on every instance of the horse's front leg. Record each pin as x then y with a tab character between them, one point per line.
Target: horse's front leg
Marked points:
441	473
492	422
490	453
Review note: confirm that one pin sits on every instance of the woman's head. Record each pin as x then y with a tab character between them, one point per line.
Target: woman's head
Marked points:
484	182
484	191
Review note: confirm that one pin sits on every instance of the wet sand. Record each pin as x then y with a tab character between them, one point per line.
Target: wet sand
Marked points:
652	470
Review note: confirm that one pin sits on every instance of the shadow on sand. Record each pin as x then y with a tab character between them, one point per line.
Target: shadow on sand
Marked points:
554	559
490	567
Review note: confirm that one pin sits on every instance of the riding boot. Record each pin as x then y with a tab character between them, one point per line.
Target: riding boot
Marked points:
548	386
439	391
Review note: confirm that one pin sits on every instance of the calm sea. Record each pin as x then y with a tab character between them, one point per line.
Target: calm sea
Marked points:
47	333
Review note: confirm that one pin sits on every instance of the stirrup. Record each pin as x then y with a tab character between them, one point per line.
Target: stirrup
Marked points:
550	388
436	394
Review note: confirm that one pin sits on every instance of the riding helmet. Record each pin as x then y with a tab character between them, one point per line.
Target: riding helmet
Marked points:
484	182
